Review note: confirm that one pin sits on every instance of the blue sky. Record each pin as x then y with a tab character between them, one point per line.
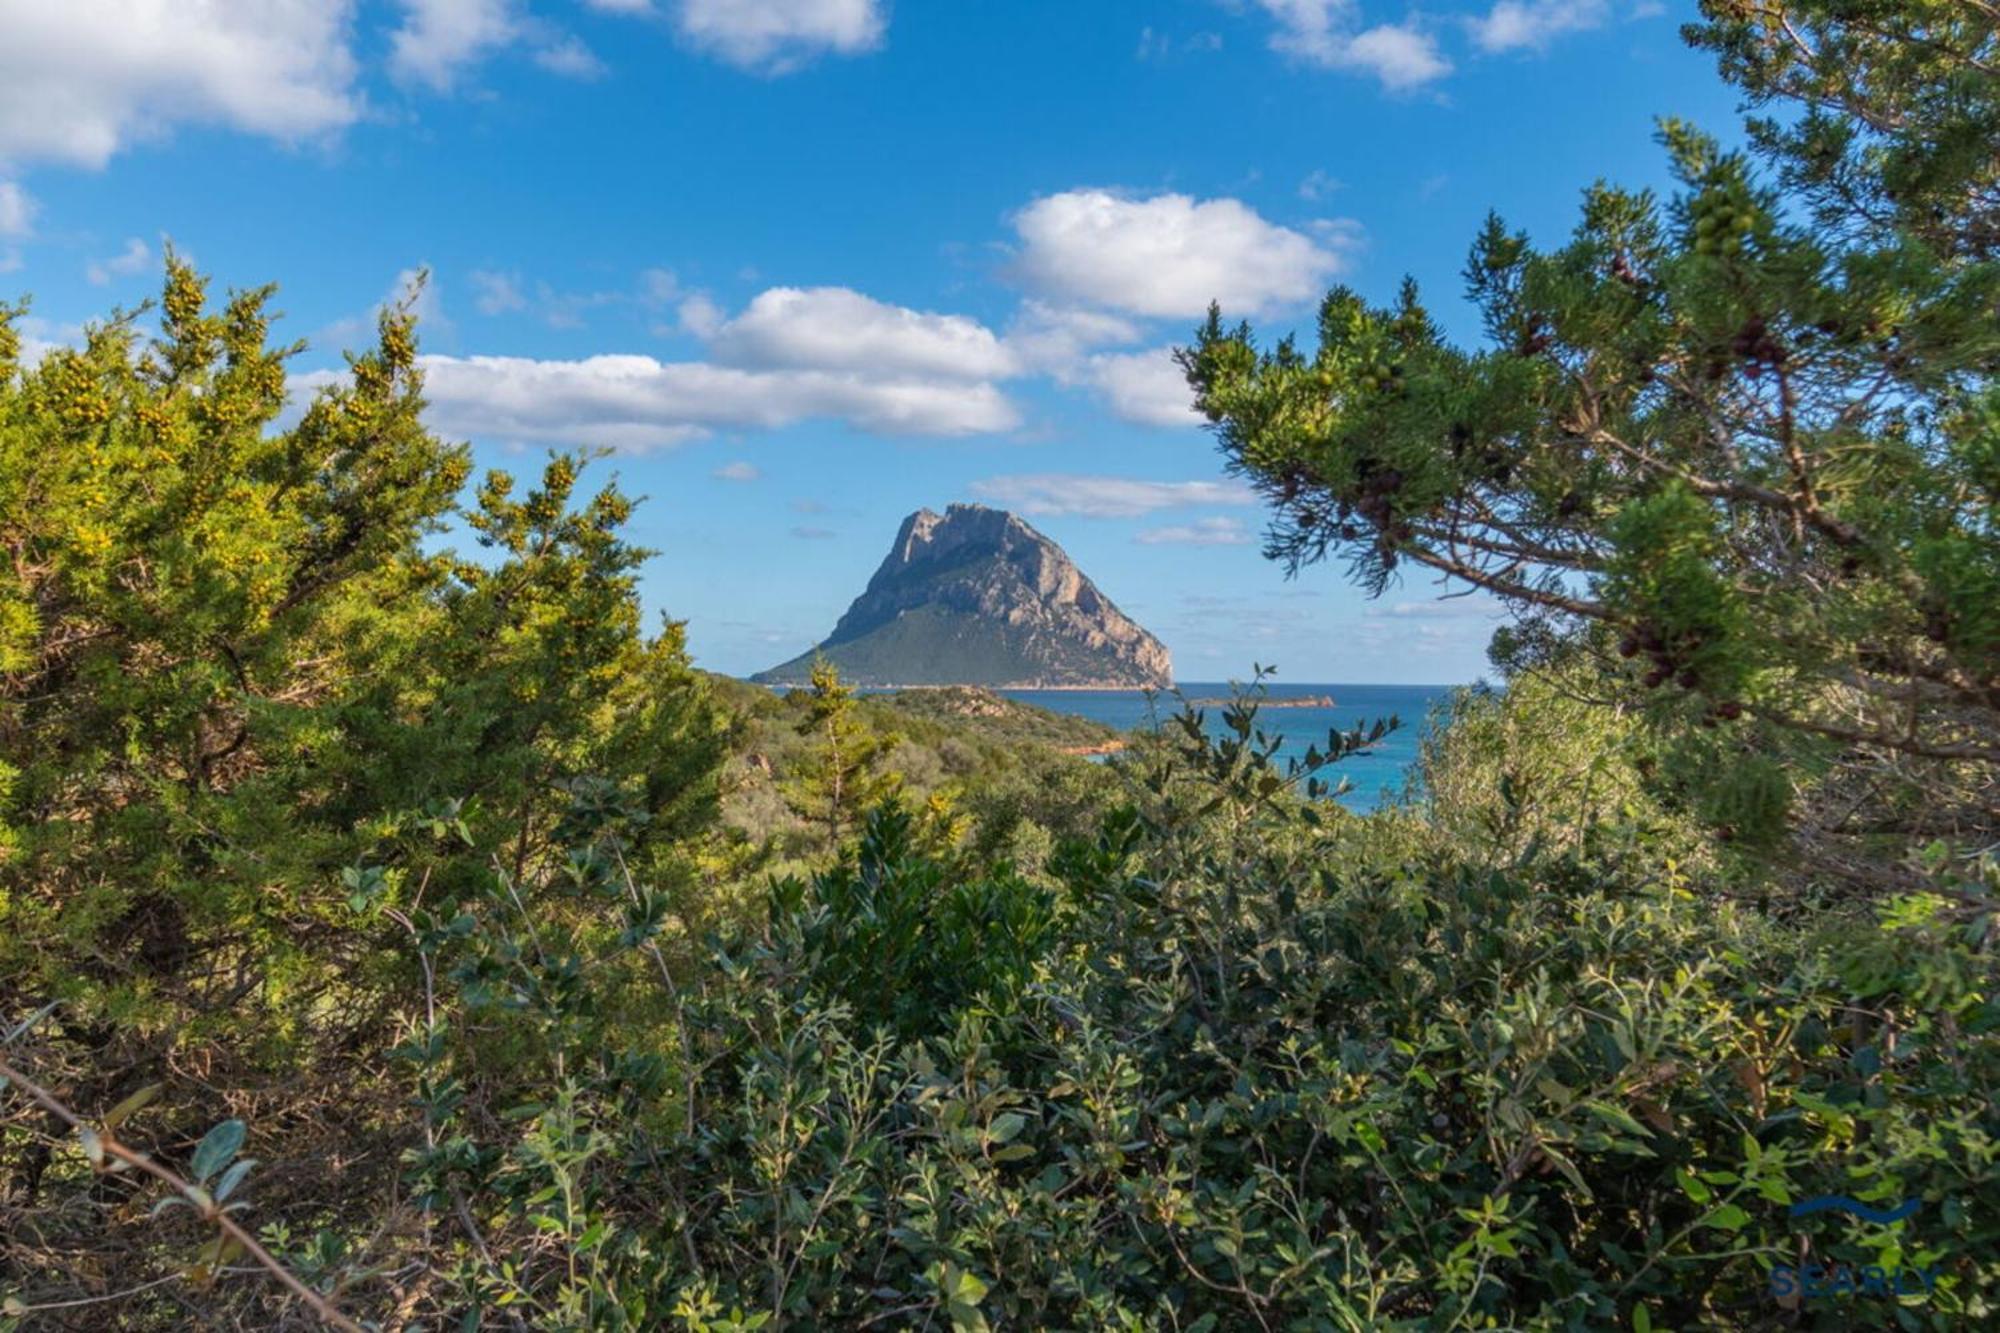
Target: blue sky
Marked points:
808	265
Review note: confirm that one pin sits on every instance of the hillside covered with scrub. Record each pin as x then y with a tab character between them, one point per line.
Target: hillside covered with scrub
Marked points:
397	932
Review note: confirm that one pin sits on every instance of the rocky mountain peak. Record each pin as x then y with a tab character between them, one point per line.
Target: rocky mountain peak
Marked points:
976	596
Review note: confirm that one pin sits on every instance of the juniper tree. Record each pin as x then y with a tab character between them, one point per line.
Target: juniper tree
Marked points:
1742	442
843	776
247	702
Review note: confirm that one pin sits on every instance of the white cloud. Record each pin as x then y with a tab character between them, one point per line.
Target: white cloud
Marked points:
835	328
17	210
39	337
1446	608
132	259
778	36
659	286
566	310
1514	25
81	78
439	38
737	471
701	316
570	58
1328	33
620	6
1147	387
1169	255
1157	45
1201	532
418	286
1070	494
1318	185
637	402
497	293
1058	339
420	289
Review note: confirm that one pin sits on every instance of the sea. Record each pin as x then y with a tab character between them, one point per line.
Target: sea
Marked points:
1375	774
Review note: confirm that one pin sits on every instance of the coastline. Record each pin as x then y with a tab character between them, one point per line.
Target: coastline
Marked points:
966	685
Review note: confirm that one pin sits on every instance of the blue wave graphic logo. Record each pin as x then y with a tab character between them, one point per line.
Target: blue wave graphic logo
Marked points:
1842	1203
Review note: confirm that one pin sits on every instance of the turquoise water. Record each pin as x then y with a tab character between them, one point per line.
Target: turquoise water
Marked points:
1373	772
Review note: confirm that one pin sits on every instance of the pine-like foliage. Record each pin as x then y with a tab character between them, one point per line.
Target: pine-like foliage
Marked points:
1745	437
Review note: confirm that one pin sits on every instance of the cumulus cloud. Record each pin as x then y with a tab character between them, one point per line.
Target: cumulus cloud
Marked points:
1146	387
17	210
82	78
835	328
1201	532
439	38
438	41
1059	339
737	471
132	259
1047	494
638	403
778	36
1169	255
700	316
1514	25
1328	33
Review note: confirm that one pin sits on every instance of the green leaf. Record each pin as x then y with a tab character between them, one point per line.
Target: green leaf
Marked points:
216	1148
1006	1127
1727	1218
966	1318
1617	1116
126	1109
233	1177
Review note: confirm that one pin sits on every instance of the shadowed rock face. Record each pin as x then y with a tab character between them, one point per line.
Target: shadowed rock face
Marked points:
974	596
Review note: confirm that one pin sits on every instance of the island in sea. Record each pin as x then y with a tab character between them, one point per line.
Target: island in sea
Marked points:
976	596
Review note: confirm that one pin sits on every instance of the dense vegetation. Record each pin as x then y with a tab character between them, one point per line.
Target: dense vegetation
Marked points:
403	938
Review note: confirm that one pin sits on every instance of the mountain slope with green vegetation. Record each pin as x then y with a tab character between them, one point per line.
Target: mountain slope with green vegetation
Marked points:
1013	771
974	596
